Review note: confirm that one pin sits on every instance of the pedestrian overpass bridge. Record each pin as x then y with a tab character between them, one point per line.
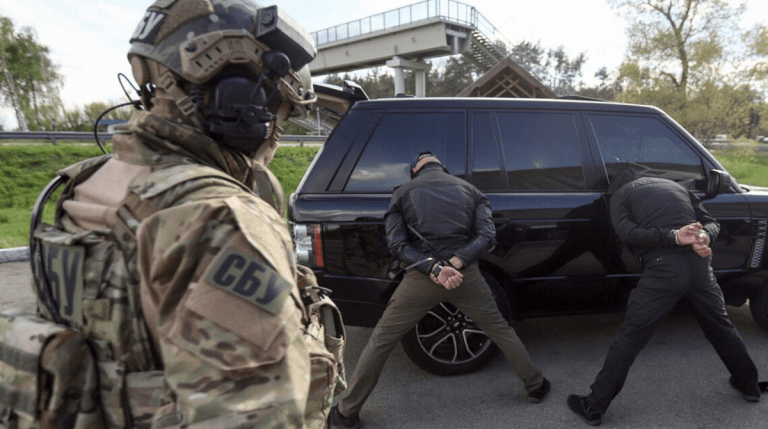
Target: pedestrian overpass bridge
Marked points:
403	38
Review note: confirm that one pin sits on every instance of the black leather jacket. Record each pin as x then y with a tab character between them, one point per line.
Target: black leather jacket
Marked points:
646	212
451	214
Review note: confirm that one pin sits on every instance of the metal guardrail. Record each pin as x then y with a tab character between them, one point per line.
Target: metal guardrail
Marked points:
54	136
302	140
727	145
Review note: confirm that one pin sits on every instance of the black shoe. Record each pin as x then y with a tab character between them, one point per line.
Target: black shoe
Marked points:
578	404
539	394
337	420
749	395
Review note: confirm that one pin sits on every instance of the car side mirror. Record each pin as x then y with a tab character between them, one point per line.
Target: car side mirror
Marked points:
719	182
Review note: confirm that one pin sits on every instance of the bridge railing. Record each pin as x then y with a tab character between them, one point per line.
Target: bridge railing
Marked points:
450	10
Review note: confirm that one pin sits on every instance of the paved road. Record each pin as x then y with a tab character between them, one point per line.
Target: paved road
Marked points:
677	382
15	289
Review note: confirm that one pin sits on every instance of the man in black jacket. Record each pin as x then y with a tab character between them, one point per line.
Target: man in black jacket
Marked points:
667	227
438	225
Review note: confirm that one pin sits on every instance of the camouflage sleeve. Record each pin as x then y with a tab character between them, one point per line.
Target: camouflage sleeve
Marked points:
218	282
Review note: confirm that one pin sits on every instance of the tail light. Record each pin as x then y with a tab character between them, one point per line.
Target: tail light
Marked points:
308	239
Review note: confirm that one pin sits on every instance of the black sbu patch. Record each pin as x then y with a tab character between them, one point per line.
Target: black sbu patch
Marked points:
148	27
64	270
249	279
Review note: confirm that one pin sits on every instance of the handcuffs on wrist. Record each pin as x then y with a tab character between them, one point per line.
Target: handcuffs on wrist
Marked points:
437	268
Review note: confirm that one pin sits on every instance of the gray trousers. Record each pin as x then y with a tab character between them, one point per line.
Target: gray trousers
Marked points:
667	280
414	297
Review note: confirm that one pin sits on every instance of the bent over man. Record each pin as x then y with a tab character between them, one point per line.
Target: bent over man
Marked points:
667	227
454	217
181	276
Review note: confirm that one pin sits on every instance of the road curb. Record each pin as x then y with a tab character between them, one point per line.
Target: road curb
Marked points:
15	254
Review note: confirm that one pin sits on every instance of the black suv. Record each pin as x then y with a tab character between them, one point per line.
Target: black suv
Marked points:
545	166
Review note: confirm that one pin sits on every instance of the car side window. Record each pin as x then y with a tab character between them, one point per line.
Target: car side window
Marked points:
646	143
486	168
541	151
398	138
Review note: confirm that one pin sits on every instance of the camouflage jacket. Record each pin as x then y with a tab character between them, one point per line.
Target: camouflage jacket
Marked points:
195	309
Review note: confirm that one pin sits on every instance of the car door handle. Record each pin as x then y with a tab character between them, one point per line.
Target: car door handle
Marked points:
501	222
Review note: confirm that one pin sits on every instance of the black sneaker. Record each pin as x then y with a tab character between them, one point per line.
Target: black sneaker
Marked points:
337	420
749	395
539	394
578	404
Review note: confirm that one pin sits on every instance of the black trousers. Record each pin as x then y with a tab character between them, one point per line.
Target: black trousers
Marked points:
666	280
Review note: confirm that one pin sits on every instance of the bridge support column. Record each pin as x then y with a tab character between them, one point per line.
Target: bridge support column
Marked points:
399	80
419	66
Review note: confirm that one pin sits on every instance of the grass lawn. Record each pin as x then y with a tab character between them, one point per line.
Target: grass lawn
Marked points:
748	166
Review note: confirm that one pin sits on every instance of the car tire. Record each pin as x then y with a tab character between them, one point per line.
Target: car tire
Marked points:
433	344
758	306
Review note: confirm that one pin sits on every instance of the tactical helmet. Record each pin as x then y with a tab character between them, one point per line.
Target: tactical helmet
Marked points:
232	67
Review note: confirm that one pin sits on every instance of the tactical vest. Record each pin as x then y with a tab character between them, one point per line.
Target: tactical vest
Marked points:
87	285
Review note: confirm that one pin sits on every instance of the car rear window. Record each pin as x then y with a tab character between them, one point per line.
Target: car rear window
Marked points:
398	138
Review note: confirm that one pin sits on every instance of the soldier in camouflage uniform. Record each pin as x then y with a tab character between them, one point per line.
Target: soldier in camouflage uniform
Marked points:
183	278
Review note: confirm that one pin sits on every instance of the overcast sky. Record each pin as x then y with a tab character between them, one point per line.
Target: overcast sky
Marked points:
89	38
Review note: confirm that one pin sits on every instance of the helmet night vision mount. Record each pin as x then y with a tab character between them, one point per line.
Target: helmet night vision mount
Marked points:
235	67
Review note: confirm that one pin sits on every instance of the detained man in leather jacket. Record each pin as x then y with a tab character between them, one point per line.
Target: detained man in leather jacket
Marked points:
667	227
436	209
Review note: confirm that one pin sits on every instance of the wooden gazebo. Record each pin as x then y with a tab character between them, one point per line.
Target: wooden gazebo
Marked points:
507	79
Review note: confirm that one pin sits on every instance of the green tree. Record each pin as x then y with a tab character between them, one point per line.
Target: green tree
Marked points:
563	71
45	92
680	40
716	108
757	48
606	89
29	80
691	58
83	118
8	84
447	78
552	67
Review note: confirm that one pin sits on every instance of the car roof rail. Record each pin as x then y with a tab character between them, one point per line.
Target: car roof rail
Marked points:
580	98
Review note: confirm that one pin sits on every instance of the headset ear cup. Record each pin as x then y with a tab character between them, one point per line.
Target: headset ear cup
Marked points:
140	70
141	74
